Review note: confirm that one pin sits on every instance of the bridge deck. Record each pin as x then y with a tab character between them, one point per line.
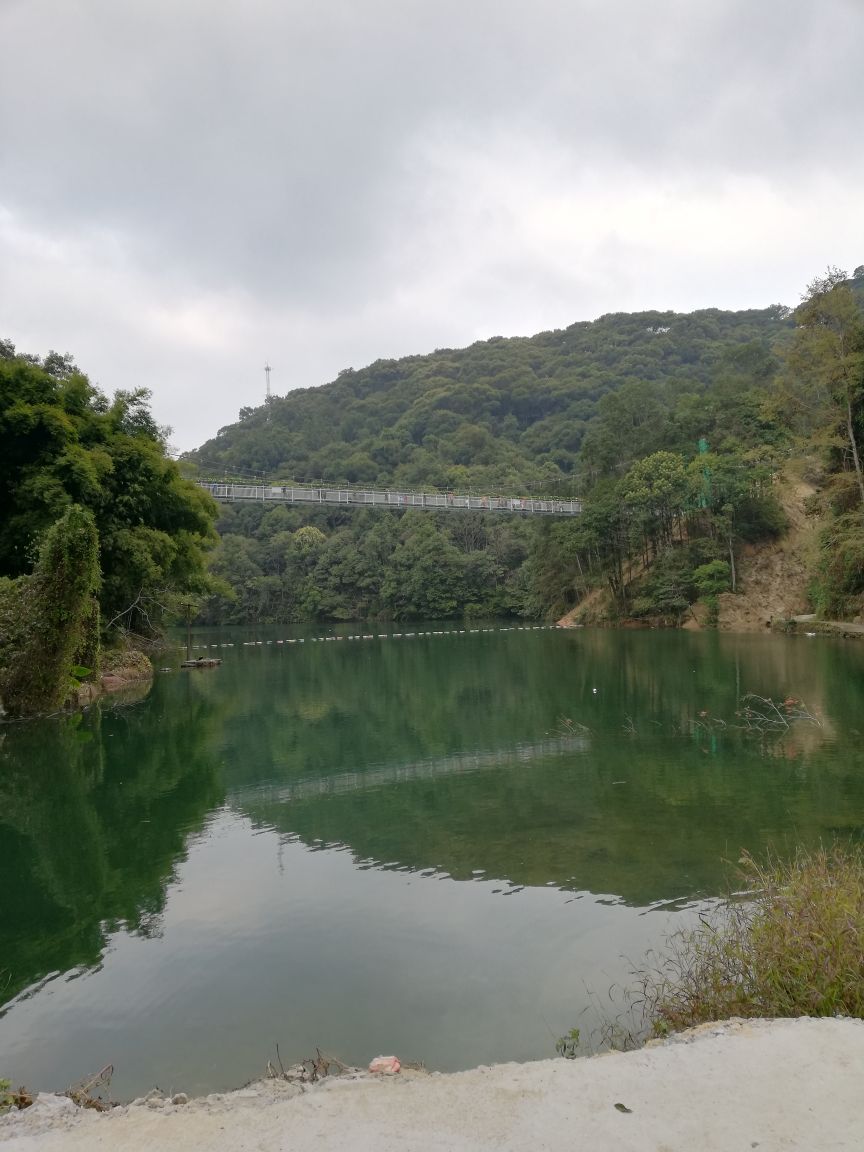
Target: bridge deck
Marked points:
388	498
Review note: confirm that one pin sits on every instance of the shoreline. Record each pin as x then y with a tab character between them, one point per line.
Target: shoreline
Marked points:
736	1084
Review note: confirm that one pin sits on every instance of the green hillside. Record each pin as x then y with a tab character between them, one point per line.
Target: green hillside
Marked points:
503	412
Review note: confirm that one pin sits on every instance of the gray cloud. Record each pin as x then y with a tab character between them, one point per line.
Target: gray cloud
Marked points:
188	187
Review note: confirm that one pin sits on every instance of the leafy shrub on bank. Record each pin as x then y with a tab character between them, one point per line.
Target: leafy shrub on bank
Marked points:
12	625
57	607
127	662
790	944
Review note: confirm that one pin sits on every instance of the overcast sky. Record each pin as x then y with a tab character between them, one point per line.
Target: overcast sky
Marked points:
190	187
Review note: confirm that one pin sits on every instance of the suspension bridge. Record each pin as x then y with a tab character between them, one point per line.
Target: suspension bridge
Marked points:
373	778
308	495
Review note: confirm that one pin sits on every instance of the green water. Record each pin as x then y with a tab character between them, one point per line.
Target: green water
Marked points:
446	846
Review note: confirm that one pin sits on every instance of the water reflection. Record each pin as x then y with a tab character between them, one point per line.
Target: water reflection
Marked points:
652	787
95	812
165	848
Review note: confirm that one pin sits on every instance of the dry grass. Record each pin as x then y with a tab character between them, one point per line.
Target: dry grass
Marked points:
790	944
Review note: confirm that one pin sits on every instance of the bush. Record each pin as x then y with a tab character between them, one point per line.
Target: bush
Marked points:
760	518
127	662
791	944
60	619
713	578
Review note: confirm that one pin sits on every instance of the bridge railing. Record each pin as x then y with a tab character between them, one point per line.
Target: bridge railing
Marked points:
387	498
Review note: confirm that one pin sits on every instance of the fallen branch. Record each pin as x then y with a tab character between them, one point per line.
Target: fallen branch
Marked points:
761	714
83	1093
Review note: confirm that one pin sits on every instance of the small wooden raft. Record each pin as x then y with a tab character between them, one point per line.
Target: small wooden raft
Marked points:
202	662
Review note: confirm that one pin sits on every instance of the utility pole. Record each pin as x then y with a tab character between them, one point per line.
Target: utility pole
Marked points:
267	371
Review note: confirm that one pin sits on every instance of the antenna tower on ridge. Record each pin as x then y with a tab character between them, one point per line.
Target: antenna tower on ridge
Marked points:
267	371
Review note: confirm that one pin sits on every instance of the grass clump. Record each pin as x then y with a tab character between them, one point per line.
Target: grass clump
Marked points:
790	944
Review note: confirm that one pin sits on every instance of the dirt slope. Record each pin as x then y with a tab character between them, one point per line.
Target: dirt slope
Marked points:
589	609
773	576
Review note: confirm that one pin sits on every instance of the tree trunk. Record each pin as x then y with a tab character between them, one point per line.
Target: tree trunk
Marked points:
732	563
583	582
850	428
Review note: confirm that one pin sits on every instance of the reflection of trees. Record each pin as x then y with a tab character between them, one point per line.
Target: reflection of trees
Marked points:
321	709
94	816
443	752
690	798
665	832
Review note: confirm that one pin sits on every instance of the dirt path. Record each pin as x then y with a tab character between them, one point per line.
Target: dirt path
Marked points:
785	1084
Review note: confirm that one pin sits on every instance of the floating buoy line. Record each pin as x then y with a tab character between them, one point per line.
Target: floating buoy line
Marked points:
378	636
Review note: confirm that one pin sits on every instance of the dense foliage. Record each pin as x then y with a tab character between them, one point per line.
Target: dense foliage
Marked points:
62	442
821	394
280	567
56	618
572	411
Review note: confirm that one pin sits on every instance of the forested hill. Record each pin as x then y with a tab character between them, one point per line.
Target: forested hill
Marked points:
570	411
505	413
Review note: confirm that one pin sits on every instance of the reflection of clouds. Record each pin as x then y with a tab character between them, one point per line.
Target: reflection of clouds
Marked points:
372	778
325	953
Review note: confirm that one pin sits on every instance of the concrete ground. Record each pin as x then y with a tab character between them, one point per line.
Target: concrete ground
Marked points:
771	1085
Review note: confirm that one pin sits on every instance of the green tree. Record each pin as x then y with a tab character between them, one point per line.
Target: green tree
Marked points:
712	578
62	442
423	579
655	491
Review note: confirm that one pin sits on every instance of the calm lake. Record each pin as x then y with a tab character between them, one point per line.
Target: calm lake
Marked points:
449	846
